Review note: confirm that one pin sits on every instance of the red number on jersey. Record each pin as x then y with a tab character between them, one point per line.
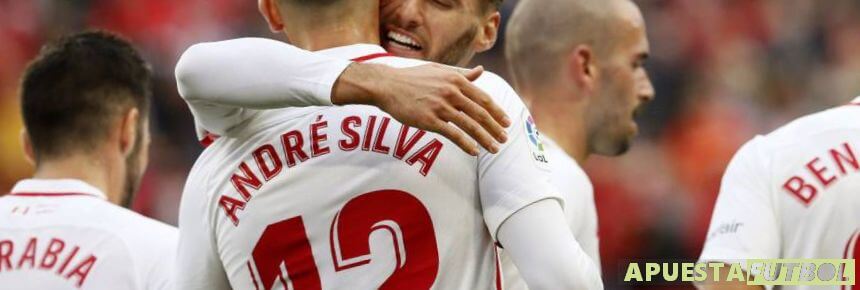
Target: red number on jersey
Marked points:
398	212
286	242
853	254
409	223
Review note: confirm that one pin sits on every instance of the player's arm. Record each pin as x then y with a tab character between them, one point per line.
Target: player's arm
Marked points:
545	251
744	224
225	82
198	265
523	211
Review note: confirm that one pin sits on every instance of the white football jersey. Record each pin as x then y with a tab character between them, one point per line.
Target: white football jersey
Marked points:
575	188
64	234
348	198
794	193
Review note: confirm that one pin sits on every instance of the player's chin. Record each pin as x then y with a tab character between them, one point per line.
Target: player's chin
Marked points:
625	140
633	129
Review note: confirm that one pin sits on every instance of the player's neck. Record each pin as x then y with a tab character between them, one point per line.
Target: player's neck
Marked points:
91	170
316	34
563	124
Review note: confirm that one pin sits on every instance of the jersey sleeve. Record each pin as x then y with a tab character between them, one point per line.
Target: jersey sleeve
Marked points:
226	82
744	223
198	265
545	251
519	174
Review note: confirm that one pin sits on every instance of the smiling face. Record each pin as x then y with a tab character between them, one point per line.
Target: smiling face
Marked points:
623	87
444	31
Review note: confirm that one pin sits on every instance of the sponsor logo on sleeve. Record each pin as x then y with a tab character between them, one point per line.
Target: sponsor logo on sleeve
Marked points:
536	146
726	228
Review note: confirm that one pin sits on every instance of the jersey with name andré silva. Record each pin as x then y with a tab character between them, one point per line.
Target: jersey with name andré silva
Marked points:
64	234
348	198
794	193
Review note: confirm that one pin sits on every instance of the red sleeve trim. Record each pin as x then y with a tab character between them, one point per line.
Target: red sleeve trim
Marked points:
371	56
208	139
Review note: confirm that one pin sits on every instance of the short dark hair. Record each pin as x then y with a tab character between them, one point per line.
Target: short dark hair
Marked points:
75	86
497	3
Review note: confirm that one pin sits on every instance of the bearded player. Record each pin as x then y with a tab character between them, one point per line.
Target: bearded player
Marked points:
584	80
333	197
420	28
85	104
791	194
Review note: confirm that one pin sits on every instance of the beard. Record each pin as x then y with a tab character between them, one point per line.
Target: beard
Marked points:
133	174
456	52
607	139
131	182
609	134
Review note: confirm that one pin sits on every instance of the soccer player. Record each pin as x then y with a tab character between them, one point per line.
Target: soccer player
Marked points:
443	31
583	79
85	104
612	108
334	197
793	194
428	97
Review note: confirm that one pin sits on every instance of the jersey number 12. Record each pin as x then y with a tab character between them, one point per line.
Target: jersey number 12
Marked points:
398	212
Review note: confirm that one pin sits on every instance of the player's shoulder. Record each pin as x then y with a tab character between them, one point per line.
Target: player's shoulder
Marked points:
567	174
807	128
139	233
493	84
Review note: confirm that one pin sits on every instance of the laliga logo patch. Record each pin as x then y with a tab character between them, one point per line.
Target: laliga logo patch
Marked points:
536	145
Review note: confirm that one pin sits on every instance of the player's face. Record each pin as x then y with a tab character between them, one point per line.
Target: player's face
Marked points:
136	164
623	90
444	31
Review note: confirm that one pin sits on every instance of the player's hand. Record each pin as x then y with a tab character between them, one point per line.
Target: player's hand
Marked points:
430	97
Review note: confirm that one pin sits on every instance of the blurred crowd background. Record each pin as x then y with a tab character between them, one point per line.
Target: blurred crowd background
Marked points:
724	70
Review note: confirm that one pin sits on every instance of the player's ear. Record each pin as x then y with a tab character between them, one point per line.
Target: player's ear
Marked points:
488	32
128	131
581	67
29	153
269	10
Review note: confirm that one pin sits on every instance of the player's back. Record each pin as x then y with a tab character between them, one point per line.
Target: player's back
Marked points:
63	234
792	194
816	183
348	198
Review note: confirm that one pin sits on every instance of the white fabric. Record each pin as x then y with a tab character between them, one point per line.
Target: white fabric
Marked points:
580	211
546	255
211	75
467	199
79	240
757	217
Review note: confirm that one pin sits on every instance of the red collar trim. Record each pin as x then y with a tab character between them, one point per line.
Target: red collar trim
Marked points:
208	139
371	56
46	194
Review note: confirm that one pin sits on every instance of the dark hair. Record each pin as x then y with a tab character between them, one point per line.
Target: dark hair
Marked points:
76	86
496	4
